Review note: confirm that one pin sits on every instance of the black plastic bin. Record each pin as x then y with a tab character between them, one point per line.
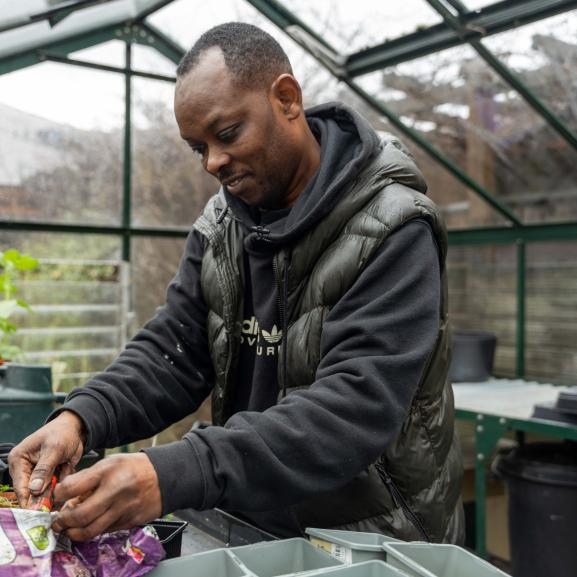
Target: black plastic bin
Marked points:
473	353
542	485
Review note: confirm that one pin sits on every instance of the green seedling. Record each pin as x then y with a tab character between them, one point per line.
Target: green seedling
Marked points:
12	263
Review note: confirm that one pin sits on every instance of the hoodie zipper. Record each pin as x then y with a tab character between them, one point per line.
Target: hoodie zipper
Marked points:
400	501
282	298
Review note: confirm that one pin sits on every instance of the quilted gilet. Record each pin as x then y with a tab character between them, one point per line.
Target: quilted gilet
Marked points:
413	491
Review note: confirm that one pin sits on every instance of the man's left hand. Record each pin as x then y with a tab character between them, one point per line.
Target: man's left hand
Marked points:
116	493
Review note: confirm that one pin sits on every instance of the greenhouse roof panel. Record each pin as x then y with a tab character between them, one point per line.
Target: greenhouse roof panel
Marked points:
29	24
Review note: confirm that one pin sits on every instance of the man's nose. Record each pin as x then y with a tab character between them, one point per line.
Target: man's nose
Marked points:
216	159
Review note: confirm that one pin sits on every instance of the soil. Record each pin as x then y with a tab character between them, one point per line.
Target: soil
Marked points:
8	499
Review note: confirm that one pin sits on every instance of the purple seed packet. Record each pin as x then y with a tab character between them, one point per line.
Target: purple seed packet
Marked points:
121	554
29	548
26	543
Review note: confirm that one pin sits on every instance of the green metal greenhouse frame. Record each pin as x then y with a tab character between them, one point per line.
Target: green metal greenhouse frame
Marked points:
458	27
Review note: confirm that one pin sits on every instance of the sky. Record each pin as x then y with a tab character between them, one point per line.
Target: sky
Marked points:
90	99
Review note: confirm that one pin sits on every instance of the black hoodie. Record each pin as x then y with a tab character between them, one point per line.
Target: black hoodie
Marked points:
272	455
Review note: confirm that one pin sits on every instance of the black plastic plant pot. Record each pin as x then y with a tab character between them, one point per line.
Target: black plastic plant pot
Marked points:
473	353
170	535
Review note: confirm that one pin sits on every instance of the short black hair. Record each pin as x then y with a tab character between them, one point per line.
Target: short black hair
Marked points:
253	56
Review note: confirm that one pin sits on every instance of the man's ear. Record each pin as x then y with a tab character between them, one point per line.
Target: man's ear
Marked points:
286	92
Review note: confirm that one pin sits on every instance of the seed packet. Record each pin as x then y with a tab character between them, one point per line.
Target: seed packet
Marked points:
29	548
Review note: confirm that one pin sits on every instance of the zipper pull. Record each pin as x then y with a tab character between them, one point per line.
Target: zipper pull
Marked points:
261	231
390	486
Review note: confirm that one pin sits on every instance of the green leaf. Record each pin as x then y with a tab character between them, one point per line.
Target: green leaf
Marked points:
26	262
11	255
23	304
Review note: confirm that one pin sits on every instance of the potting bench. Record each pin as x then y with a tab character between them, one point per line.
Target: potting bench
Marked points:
497	406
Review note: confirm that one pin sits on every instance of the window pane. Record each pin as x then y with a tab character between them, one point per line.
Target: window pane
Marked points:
544	56
170	187
147	59
110	53
482	296
352	26
77	302
154	264
61	153
467	112
551	324
185	21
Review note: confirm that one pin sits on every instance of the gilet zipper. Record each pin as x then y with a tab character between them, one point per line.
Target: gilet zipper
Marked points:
400	501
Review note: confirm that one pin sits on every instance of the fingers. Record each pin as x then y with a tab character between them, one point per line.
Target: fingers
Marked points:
81	483
65	470
44	469
20	469
119	492
83	525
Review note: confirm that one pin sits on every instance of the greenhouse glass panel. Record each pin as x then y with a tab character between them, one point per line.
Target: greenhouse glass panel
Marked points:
147	59
108	53
39	31
61	145
544	56
169	185
352	26
551	341
186	20
154	263
78	299
483	126
482	296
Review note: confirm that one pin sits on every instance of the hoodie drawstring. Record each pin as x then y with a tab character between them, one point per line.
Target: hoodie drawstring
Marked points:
285	324
222	214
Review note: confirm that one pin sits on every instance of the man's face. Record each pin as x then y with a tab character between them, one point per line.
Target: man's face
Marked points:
241	135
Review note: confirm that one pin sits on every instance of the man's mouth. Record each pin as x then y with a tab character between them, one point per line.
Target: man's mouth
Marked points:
234	182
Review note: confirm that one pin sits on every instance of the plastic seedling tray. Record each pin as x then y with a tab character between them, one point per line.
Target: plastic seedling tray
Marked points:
367	569
170	535
286	557
431	560
218	563
350	546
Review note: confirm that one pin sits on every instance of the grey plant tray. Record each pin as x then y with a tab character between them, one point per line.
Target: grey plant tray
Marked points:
367	569
269	559
435	560
217	563
350	546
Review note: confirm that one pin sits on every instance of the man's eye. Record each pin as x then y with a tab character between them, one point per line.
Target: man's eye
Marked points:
228	134
197	149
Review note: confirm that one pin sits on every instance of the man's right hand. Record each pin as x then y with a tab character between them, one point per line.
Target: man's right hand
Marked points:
32	462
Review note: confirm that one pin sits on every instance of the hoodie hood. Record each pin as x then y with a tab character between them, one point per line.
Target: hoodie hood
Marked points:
348	144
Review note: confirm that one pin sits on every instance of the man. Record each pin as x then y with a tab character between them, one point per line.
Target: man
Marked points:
311	302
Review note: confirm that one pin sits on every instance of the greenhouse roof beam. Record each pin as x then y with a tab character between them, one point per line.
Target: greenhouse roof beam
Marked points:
284	19
54	15
490	20
503	71
103	67
93	18
280	16
61	47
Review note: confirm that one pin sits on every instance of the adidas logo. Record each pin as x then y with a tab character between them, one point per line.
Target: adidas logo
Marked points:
273	337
